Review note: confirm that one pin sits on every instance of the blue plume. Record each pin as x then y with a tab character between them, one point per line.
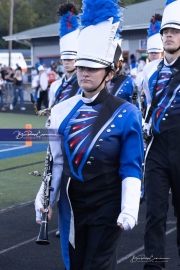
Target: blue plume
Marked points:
169	2
37	65
68	23
118	33
154	28
155	25
96	11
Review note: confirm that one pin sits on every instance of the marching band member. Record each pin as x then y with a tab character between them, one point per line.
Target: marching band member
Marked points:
98	153
41	95
120	85
69	30
154	51
162	170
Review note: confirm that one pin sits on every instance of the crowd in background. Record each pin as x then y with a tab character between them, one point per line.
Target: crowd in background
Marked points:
13	82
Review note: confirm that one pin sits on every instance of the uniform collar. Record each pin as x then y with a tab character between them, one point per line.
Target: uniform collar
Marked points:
98	98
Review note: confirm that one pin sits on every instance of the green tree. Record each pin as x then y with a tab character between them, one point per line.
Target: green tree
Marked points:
4	21
30	14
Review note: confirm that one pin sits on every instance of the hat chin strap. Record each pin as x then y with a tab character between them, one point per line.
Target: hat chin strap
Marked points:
109	69
172	51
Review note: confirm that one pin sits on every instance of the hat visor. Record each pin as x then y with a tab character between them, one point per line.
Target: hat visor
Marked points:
90	64
68	56
169	25
155	50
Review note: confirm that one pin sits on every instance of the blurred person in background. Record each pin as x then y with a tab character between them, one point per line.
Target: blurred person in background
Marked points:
125	69
154	51
121	85
18	90
60	69
18	67
41	94
2	91
34	72
9	77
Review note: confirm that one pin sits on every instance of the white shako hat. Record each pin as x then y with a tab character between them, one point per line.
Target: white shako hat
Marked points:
68	30
171	16
96	45
154	41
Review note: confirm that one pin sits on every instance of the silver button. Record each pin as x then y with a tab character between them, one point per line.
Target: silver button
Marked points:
166	114
113	126
97	146
172	106
91	158
89	163
164	119
124	111
120	115
101	140
174	101
108	130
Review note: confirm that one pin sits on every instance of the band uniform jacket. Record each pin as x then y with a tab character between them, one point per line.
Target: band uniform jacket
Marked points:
166	115
122	86
63	89
98	140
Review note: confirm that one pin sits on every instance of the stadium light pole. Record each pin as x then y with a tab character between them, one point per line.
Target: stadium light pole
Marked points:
11	29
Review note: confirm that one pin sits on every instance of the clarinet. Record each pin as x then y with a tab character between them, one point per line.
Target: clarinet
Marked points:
42	238
47	177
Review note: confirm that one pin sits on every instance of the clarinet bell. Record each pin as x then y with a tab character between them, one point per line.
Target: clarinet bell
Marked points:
43	233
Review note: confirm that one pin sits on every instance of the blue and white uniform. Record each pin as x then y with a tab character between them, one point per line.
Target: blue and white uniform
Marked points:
162	170
63	89
122	87
99	145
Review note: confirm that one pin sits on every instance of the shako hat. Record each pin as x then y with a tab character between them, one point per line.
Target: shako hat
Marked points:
171	17
96	45
154	41
68	30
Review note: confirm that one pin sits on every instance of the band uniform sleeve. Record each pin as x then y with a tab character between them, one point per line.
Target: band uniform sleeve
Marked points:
52	91
55	145
131	160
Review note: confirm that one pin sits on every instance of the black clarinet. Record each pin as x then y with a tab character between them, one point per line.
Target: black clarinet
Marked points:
47	177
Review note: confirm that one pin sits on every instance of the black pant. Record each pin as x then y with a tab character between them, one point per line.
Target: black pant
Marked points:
95	247
96	206
162	171
43	96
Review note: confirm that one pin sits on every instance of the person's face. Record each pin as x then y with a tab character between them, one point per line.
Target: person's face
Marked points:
68	64
90	78
154	55
171	39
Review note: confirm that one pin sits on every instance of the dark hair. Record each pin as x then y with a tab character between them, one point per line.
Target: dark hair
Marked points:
64	8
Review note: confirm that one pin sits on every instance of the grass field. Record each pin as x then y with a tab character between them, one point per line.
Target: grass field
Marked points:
16	185
20	120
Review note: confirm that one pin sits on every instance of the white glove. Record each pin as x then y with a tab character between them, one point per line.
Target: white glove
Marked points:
39	202
38	215
127	221
130	202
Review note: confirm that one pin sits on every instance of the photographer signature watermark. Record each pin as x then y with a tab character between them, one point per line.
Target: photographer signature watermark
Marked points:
28	133
143	258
